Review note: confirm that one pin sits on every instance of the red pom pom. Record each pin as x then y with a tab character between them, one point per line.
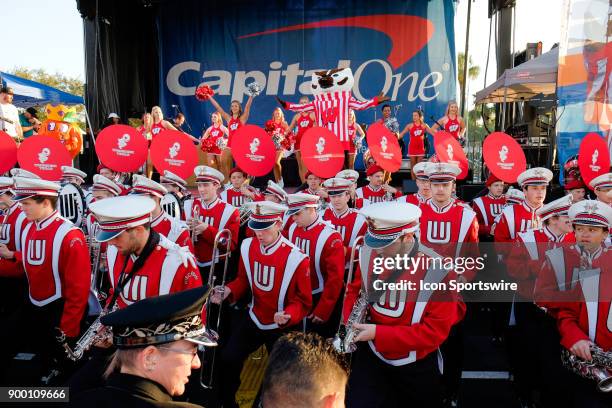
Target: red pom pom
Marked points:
203	92
269	126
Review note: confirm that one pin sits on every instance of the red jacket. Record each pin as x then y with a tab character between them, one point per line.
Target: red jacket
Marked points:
487	209
349	224
278	278
173	229
324	247
10	235
513	219
233	197
414	199
218	215
373	196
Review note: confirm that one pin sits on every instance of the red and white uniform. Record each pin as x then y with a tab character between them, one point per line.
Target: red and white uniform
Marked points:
215	132
407	330
324	247
12	223
452	126
233	197
446	230
332	110
304	122
514	219
278	278
360	203
156	129
173	229
416	147
581	321
56	262
232	126
218	215
487	209
373	195
349	224
527	255
351	142
414	199
163	272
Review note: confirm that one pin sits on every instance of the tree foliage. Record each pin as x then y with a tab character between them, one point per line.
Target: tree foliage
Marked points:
60	81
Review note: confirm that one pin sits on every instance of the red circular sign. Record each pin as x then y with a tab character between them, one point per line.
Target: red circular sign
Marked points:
121	148
449	150
43	155
8	152
253	150
504	156
174	151
384	147
322	152
593	157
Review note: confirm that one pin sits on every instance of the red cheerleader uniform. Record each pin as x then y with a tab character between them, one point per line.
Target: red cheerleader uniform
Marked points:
304	123
215	133
350	143
416	147
155	129
232	127
453	126
273	129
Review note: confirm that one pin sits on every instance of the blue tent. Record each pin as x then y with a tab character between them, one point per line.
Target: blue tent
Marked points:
30	93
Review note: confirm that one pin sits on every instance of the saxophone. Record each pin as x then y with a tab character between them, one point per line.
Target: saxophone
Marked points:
344	342
598	370
97	332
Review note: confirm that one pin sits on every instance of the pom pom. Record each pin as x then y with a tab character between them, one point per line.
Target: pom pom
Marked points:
253	89
203	92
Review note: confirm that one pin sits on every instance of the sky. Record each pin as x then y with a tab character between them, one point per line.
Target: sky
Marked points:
49	35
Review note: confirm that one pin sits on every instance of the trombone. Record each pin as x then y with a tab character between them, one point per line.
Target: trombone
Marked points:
223	238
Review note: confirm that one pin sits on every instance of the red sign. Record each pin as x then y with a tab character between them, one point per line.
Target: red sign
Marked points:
122	148
43	155
593	157
504	156
449	150
322	152
384	147
174	151
8	152
253	150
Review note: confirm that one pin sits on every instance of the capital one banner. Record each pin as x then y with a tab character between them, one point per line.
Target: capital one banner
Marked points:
403	49
585	75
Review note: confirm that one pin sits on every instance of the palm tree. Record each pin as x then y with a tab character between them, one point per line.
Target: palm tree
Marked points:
473	70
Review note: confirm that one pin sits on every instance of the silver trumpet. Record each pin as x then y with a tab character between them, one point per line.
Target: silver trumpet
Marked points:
97	332
344	342
592	370
223	238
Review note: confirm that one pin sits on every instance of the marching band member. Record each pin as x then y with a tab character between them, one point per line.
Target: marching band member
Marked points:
314	187
353	177
377	191
489	207
584	320
513	197
275	272
399	365
422	181
176	231
325	248
238	193
73	175
518	218
175	184
302	121
214	215
101	188
112	175
576	189
601	185
53	255
19	172
345	220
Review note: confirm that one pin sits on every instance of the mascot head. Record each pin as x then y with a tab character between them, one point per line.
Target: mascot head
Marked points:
333	80
62	123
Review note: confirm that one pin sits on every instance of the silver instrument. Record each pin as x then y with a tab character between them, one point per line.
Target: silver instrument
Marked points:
222	143
598	370
392	124
97	332
195	216
278	139
223	238
344	341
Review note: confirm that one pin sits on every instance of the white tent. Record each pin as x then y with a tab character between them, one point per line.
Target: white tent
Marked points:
523	82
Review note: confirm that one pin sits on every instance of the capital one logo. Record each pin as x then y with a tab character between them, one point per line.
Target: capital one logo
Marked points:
320	146
383	143
44	154
123	141
503	153
254	146
174	149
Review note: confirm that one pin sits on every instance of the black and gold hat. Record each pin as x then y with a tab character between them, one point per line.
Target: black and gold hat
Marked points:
161	319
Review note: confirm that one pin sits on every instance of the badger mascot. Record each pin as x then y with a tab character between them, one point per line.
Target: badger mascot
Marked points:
333	99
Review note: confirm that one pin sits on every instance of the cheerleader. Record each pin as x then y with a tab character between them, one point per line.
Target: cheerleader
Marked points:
159	123
302	122
236	118
145	131
213	141
277	128
451	122
353	130
416	145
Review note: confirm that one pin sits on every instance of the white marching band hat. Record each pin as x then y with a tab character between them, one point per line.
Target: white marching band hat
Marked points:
537	176
116	214
105	184
6	185
601	182
387	221
558	207
299	201
69	171
591	212
144	185
348	174
275	190
514	196
419	170
170	178
205	174
442	172
29	187
19	172
264	214
335	185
